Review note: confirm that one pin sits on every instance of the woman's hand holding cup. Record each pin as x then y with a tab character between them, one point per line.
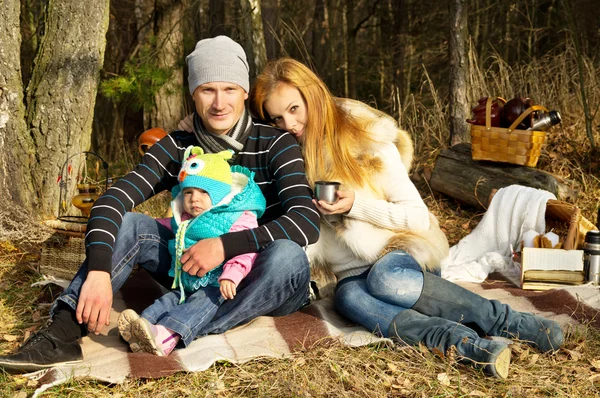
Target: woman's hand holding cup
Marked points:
342	206
331	202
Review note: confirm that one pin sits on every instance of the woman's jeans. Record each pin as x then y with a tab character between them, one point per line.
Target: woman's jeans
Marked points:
372	299
277	284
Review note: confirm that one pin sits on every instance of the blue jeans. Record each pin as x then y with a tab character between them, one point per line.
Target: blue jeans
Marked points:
189	317
277	284
372	299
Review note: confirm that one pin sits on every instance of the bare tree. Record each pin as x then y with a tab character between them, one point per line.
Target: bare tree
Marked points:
168	108
459	131
16	146
352	32
270	14
62	91
320	36
216	16
253	39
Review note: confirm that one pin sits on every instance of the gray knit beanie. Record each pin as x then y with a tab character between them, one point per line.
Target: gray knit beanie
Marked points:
219	59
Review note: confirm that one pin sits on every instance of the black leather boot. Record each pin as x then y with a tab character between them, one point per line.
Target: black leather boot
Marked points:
42	350
53	345
444	299
413	327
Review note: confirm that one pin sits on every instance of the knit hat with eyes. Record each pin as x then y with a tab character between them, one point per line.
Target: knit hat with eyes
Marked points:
207	171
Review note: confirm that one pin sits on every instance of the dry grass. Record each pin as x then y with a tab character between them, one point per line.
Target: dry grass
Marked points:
325	369
330	370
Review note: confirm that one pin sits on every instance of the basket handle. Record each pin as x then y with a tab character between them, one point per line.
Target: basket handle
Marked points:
488	110
570	242
523	115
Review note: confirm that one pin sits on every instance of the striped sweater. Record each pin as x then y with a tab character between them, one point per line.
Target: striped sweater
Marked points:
273	155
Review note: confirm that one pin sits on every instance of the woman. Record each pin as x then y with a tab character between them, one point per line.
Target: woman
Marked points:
386	252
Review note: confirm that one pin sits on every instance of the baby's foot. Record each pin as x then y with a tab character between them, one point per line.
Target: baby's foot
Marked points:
124	322
154	339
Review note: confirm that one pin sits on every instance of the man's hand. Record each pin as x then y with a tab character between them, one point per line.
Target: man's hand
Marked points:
203	256
95	301
342	206
187	123
227	289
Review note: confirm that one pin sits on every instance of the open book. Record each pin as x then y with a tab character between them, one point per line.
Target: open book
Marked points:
543	269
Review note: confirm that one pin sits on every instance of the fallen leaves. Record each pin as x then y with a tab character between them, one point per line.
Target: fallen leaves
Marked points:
444	379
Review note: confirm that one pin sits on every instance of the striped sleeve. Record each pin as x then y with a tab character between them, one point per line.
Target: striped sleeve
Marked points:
156	172
300	219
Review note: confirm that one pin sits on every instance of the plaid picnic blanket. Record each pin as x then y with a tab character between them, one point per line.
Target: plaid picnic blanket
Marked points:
107	357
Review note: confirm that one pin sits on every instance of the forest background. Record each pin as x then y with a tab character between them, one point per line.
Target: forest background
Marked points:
78	76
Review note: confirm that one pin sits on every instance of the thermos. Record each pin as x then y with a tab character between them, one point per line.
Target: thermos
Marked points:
591	256
546	120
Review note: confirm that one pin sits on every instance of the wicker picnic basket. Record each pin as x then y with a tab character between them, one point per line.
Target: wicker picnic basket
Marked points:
62	257
508	145
566	220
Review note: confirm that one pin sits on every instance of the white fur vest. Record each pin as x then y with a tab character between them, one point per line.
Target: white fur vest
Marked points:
351	248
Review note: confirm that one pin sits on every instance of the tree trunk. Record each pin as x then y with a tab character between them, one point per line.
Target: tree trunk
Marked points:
216	15
402	50
16	145
459	109
108	137
487	21
335	74
168	102
62	91
507	32
143	19
108	134
345	54
270	14
320	38
254	38
457	175
385	31
352	32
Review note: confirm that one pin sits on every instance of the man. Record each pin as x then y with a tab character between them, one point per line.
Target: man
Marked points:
117	240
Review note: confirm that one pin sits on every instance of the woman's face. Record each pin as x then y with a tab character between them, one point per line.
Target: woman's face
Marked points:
287	109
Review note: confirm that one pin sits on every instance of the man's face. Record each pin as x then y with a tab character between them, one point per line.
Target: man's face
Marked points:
220	105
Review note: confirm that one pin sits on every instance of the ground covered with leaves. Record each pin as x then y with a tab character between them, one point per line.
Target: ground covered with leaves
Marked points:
325	369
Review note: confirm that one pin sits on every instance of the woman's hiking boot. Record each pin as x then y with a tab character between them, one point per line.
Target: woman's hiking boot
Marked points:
413	327
444	299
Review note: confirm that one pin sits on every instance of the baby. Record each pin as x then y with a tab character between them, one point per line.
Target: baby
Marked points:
211	199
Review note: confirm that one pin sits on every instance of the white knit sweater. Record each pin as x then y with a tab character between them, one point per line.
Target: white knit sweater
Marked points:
396	216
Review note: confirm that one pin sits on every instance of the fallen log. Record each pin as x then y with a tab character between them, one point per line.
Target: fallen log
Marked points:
470	181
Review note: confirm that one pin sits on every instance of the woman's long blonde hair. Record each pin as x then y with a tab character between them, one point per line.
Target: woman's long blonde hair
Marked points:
330	134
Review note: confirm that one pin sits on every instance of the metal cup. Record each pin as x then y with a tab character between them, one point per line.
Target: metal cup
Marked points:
326	190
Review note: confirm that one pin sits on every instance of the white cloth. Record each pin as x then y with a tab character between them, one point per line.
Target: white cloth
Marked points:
514	210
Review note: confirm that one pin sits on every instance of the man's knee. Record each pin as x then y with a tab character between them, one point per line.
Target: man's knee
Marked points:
132	221
285	258
136	225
